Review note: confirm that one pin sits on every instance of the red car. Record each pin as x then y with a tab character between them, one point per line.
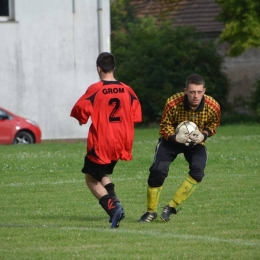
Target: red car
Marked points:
17	130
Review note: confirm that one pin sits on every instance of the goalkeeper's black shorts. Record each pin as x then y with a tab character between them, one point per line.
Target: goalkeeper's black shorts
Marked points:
166	152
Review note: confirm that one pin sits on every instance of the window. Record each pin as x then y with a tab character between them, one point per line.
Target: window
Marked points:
6	10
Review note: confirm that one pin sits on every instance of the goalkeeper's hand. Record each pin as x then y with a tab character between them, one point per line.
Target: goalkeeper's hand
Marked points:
180	138
196	137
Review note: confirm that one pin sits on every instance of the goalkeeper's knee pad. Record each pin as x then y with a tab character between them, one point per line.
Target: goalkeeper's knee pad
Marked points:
158	173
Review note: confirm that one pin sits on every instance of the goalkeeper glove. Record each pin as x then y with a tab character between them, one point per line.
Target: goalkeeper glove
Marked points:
196	137
179	138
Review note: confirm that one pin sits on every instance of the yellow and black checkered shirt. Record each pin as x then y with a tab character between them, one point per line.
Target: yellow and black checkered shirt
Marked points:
177	110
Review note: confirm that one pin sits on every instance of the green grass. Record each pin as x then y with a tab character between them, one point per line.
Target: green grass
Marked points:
47	212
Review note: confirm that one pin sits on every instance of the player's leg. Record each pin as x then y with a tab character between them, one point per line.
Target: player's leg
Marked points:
110	187
197	159
165	153
94	174
106	181
95	186
99	191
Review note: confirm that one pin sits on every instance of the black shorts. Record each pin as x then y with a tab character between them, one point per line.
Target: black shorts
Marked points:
97	171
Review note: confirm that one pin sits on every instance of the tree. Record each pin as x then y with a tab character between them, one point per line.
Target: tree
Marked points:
122	12
242	24
156	59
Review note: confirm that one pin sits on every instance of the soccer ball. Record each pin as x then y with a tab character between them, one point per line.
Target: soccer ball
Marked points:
186	128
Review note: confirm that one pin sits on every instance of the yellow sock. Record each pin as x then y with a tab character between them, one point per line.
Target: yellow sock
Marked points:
153	195
186	189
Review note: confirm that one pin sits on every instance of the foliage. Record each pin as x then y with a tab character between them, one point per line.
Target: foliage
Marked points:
47	211
242	24
155	61
122	12
234	118
254	98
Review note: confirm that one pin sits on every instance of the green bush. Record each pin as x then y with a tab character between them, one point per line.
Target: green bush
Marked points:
255	99
238	118
155	61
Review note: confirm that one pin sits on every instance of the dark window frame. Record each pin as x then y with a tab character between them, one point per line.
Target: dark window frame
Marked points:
6	10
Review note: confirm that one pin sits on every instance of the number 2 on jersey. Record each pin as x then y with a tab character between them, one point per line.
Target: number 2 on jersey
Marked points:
116	103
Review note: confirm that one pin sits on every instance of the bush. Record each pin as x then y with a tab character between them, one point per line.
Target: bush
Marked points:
155	61
255	100
238	118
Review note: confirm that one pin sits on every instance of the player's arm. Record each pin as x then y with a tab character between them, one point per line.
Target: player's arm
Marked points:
213	117
209	129
197	136
81	110
167	129
136	108
213	122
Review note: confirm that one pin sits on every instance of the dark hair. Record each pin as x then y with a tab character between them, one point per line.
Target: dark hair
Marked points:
195	79
106	61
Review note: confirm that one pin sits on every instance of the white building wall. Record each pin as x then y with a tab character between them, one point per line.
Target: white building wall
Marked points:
48	57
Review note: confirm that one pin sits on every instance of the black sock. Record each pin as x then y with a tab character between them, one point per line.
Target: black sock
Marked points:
108	205
110	187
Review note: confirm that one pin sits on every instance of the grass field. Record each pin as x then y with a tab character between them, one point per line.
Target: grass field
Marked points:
47	212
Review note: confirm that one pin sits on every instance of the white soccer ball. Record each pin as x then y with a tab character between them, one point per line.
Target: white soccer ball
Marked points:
186	128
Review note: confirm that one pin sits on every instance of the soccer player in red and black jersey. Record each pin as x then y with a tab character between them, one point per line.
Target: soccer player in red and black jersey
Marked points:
114	108
190	105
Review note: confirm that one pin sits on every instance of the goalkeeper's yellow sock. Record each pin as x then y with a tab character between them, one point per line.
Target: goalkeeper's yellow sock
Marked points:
153	195
186	189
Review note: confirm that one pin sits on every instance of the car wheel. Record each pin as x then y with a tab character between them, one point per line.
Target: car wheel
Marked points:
23	138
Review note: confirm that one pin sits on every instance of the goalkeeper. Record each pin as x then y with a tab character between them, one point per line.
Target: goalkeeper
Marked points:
190	105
